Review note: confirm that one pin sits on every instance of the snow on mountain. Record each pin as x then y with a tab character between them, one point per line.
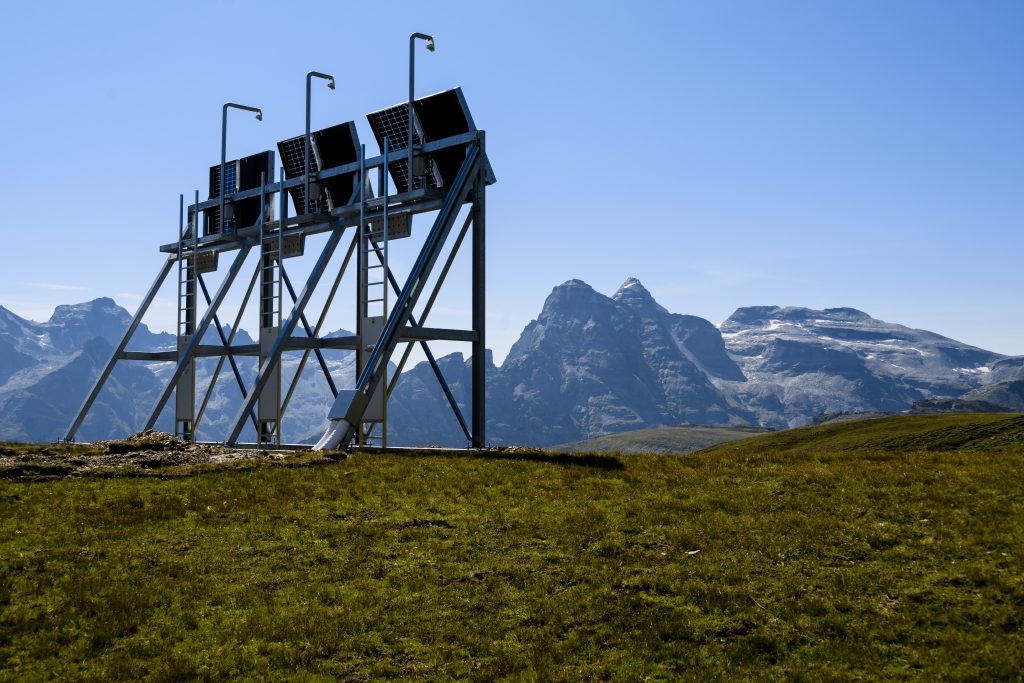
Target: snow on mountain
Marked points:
800	362
589	364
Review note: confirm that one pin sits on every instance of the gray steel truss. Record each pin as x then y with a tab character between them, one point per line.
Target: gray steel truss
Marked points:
263	404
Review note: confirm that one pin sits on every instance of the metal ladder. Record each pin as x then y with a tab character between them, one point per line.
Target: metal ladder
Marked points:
188	272
269	305
373	246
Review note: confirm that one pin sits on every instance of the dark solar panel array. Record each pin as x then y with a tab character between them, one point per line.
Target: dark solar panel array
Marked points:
437	116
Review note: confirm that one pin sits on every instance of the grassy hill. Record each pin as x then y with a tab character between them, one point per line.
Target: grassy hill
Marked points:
680	439
966	432
889	548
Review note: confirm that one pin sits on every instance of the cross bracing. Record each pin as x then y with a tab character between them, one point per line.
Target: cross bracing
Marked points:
356	235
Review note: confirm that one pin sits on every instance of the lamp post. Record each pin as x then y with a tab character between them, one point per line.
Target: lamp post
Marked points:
305	167
224	150
412	72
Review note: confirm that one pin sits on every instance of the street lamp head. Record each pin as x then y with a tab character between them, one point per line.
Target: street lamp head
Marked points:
422	36
330	83
235	105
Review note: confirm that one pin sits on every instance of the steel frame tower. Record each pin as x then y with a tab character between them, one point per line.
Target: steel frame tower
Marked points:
453	172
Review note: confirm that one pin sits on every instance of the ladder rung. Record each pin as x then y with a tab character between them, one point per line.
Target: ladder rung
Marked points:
370	301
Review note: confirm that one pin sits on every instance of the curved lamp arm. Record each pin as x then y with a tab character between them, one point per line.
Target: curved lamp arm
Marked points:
412	71
305	159
224	150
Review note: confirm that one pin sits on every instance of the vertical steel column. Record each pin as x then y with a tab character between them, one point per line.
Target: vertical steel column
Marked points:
479	303
181	239
269	408
384	295
362	260
185	390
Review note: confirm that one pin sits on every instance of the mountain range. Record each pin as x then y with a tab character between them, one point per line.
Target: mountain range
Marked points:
589	364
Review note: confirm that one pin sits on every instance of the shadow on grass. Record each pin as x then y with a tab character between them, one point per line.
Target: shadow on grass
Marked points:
603	462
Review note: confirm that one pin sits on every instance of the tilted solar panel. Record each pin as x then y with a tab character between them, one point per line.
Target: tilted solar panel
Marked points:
240	174
292	152
393	123
329	148
443	115
337	146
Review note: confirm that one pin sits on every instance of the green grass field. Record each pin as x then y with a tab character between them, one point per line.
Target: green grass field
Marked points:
678	439
883	549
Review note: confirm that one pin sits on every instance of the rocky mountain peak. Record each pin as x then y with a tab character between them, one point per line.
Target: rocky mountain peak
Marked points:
632	293
573	299
13	323
71	325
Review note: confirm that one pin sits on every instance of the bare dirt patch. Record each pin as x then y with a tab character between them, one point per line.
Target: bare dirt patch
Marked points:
148	450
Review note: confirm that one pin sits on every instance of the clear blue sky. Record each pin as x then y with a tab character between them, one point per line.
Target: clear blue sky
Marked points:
861	153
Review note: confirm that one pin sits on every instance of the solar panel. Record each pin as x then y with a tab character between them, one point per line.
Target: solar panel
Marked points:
292	152
240	174
251	170
329	148
393	123
337	146
437	117
213	224
443	115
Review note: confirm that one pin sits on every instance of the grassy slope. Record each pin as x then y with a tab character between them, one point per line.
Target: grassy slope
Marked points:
816	563
681	439
968	432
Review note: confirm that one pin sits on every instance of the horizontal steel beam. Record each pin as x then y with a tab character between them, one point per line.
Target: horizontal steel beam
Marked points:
436	334
409	334
423	201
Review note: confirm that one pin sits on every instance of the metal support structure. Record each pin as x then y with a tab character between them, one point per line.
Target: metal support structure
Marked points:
273	358
394	320
268	429
374	370
423	344
316	330
188	271
228	354
479	212
309	331
187	352
372	293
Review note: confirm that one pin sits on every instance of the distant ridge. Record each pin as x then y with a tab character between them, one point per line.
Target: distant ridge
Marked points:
589	365
966	432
